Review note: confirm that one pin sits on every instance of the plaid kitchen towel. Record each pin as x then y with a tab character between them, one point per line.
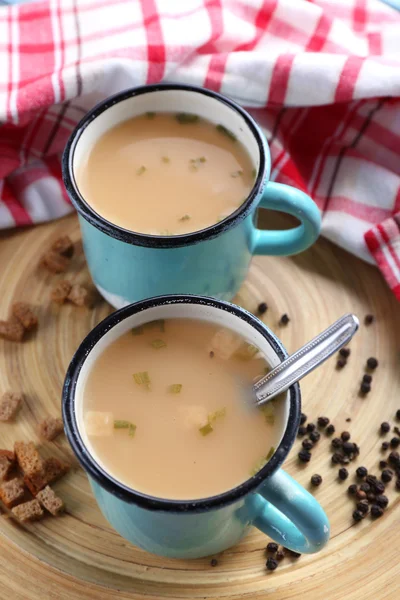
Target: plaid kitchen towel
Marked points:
321	76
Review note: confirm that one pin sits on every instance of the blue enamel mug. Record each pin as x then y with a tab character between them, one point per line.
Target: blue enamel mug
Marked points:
128	266
270	500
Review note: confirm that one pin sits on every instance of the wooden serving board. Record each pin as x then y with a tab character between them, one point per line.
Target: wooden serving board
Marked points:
79	556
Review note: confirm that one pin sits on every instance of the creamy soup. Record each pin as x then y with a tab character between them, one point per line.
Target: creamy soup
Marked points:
166	174
166	410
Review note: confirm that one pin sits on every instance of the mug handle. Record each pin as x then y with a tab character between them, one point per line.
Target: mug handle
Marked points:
299	523
285	198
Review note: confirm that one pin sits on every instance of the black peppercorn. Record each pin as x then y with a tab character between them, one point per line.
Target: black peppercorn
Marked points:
387	475
398	414
396	430
284	320
262	308
372	363
376	511
369	319
352	489
304	456
385	427
345	435
383	464
365	388
336	443
358	516
301	432
385	446
395	442
341	362
382	501
322	422
349	448
360	495
378	487
272	547
365	487
315	436
398	484
280	555
348	420
363	506
367	378
343	473
213	562
371	497
310	427
394	458
336	458
307	444
316	480
330	429
345	352
303	418
271	564
362	472
211	354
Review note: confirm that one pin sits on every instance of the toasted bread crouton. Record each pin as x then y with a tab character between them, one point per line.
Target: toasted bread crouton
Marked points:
50	501
25	315
80	296
63	246
12	492
12	330
29	459
54	262
7	464
28	511
59	293
10	404
53	469
50	428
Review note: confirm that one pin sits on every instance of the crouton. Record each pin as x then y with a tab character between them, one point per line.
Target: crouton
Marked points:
54	262
29	459
12	492
10	404
50	428
80	296
63	246
50	501
53	469
25	315
12	330
28	511
59	293
7	464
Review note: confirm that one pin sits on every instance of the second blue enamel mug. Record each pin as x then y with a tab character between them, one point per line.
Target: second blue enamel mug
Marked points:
128	266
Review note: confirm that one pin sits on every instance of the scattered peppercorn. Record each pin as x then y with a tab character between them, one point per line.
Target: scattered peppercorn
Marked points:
385	445
336	443
362	472
371	497
307	444
372	363
348	420
398	414
272	547
304	455
316	480
352	489
310	427
303	418
363	506
211	353
395	442
369	319
367	378
315	436
280	555
343	473
365	388
385	427
383	464
336	458
322	422
330	429
382	501
262	308
394	459
376	511
349	448
301	432
365	487
358	516
360	495
284	319
345	352
340	363
398	484
396	430
378	487
345	435
213	562
387	475
271	564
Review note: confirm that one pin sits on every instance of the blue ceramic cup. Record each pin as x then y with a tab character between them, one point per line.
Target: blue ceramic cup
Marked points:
128	266
271	500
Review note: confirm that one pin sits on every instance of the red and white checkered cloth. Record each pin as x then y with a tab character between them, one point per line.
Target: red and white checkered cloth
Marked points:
322	77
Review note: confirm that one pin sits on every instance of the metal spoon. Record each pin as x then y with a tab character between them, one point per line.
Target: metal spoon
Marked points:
306	359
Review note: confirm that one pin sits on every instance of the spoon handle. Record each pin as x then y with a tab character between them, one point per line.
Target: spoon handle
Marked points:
306	359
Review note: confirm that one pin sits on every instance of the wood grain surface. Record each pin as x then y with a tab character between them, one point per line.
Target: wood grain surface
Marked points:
79	556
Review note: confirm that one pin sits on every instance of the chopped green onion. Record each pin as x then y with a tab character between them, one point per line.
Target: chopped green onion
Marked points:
132	430
141	170
246	351
268	411
175	388
258	467
138	330
185	118
184	218
142	378
237	173
165	159
157	344
270	453
206	429
212	417
121	424
150	115
202	159
266	370
227	132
